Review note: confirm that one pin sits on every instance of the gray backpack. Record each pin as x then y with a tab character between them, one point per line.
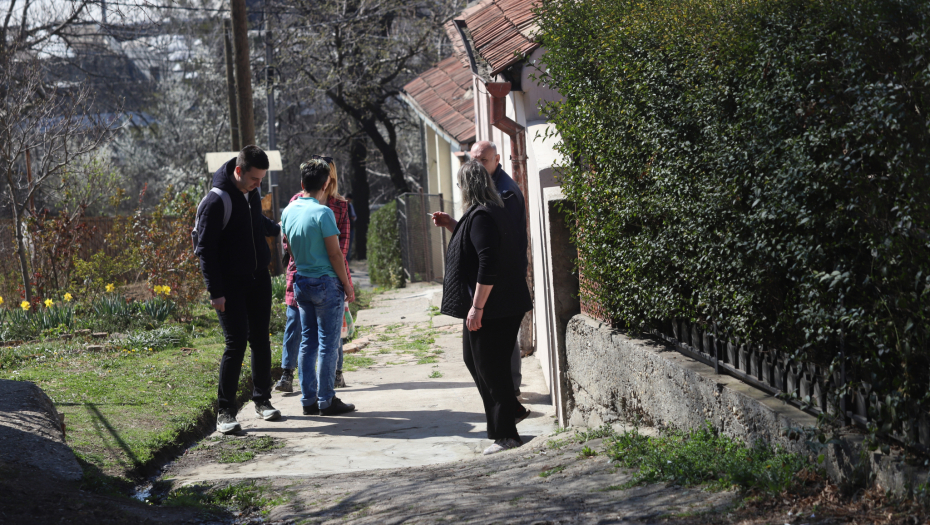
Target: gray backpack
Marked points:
227	211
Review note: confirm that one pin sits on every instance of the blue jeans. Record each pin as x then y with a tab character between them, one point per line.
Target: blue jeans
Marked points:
292	337
321	308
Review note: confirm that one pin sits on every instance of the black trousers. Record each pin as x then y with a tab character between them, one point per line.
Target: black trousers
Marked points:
246	319
487	354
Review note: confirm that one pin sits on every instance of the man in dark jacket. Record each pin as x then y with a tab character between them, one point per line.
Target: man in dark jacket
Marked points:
234	260
486	153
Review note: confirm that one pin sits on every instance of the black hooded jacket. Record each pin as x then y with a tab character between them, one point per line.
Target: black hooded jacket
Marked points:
240	248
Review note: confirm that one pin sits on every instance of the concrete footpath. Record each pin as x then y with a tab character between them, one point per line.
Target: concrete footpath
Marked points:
416	403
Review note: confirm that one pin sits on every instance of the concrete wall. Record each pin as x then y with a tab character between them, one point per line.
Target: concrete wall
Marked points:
555	285
613	376
442	167
533	93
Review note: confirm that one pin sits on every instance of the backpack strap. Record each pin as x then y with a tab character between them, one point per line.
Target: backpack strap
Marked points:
227	204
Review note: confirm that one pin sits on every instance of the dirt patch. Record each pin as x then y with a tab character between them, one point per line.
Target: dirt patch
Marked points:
231	449
819	503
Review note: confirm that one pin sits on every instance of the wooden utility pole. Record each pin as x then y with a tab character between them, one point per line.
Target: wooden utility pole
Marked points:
240	33
272	138
231	86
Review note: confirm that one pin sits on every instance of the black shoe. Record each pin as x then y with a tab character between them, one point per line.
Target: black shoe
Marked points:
337	407
312	410
521	416
286	383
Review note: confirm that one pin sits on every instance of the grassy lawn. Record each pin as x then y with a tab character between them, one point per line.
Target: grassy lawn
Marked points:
140	397
125	405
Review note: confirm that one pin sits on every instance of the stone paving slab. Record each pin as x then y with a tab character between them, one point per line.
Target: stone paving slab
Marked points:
408	414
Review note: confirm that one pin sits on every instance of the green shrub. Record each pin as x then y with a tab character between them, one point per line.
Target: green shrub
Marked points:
16	325
157	310
385	267
758	165
112	313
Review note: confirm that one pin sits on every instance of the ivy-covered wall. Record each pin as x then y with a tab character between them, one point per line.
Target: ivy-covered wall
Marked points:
759	165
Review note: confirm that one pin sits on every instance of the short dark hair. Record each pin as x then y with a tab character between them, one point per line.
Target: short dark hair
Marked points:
313	174
252	157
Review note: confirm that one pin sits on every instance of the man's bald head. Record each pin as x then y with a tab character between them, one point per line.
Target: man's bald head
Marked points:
485	152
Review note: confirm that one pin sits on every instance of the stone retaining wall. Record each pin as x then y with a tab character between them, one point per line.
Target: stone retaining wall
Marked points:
615	376
32	433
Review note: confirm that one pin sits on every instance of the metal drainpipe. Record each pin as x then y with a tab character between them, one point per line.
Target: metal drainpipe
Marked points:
517	133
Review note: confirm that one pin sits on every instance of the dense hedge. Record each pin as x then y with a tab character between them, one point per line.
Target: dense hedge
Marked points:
760	165
385	267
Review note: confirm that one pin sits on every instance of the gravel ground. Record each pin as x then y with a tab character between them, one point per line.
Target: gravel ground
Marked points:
510	487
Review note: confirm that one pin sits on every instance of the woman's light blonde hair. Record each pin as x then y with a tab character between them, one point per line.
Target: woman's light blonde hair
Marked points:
333	189
477	186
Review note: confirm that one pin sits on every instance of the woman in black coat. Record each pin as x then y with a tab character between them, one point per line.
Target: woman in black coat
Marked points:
484	285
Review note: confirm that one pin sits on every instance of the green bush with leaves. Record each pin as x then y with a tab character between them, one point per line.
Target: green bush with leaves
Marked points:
385	266
758	165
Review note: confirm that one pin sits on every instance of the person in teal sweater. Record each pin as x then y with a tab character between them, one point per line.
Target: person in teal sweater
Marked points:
320	287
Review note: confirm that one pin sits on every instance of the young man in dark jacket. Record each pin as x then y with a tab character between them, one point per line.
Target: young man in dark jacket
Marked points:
234	260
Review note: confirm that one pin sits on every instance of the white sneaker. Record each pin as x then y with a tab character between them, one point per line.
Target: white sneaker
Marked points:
226	422
267	412
501	445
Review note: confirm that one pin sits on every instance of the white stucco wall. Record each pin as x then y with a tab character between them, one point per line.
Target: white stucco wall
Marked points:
541	157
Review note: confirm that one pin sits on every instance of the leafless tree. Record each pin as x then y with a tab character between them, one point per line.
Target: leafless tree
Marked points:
44	134
357	55
32	26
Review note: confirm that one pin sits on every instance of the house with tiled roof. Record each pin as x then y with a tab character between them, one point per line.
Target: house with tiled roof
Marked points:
443	99
498	59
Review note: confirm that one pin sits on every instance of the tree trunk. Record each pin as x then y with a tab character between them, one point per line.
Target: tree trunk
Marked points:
390	155
358	159
21	248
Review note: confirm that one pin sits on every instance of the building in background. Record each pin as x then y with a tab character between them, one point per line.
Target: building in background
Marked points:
442	98
494	44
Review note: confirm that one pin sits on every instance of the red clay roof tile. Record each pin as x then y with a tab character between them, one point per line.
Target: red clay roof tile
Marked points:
444	93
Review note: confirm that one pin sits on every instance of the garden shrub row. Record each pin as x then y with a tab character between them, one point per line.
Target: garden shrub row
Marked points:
385	267
763	166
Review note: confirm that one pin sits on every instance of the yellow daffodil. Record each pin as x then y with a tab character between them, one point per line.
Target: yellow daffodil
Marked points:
49	303
68	297
1	301
110	287
166	289
156	289
25	306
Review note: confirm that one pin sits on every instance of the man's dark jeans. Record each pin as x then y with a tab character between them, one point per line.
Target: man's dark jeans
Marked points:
248	312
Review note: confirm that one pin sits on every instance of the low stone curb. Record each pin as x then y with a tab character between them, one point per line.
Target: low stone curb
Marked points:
32	432
615	376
